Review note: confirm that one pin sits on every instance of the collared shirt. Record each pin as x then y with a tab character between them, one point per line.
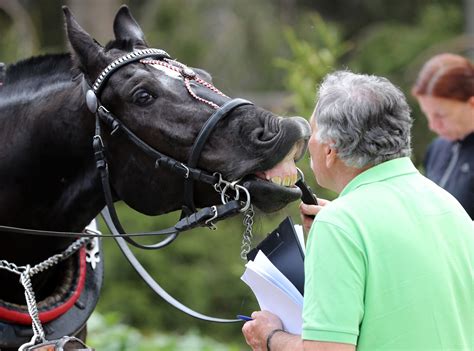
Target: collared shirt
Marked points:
389	265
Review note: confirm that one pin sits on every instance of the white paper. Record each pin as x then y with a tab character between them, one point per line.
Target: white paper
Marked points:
274	292
300	235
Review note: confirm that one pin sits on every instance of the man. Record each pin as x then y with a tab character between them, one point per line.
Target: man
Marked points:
389	263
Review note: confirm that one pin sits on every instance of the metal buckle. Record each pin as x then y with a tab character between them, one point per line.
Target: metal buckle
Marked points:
66	343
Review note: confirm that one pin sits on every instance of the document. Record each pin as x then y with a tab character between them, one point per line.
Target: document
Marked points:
274	292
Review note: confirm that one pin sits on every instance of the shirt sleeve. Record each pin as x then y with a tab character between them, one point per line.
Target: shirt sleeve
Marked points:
335	267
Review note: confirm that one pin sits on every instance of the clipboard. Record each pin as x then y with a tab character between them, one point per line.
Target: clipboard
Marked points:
283	249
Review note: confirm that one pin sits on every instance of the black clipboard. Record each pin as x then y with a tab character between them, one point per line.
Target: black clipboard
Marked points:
284	250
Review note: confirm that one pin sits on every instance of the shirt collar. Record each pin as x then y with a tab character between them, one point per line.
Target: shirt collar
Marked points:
382	171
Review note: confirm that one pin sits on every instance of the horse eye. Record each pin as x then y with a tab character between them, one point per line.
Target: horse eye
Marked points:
143	98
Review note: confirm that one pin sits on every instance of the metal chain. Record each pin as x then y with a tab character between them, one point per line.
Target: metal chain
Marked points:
26	272
247	236
53	260
38	332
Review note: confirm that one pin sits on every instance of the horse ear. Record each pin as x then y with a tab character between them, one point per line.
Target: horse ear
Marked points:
125	26
87	53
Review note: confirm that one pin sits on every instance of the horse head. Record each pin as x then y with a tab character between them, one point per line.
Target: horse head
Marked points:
155	102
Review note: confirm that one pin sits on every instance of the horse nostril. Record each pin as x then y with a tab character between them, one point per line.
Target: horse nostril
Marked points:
265	134
269	130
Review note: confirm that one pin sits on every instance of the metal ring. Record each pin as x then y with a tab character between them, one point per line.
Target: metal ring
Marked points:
224	201
247	204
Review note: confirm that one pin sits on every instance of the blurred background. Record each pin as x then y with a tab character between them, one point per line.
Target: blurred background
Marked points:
273	52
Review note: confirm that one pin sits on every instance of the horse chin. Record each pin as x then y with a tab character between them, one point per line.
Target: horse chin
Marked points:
270	197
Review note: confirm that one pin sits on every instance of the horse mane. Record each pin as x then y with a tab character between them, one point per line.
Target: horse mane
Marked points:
38	71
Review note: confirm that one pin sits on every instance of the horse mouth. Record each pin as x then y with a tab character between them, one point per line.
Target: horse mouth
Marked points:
272	189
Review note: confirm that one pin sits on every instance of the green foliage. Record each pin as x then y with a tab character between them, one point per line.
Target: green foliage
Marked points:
312	58
234	40
108	333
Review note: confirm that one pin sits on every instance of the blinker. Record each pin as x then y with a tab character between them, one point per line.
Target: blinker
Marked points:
91	101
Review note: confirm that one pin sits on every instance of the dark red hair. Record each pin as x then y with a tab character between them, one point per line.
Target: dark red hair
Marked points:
447	76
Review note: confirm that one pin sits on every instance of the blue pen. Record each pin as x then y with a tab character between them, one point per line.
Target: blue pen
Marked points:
244	318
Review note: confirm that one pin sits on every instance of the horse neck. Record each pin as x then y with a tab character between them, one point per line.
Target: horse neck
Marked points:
48	174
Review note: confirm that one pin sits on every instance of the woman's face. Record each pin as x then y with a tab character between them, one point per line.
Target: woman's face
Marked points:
450	119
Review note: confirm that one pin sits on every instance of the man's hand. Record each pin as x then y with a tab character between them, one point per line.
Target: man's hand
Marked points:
257	330
311	210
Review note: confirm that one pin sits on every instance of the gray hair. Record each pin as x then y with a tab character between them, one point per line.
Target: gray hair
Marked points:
366	119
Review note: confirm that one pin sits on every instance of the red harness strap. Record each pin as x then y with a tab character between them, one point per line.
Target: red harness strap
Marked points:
47	316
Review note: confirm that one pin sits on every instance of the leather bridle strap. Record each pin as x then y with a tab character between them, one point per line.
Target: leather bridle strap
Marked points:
150	281
198	145
199	218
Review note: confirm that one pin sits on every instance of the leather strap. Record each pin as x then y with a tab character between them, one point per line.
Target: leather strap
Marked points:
201	139
151	282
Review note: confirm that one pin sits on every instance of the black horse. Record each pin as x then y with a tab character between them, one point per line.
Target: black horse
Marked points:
48	175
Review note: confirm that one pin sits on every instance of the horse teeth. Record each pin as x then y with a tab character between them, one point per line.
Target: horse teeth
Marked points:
276	180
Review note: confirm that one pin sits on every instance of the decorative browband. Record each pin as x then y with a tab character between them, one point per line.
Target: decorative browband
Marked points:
121	61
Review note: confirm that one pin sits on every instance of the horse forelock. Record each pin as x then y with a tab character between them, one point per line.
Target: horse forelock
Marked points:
42	69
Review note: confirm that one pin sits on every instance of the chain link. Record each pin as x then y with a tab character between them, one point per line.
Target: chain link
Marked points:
25	279
247	236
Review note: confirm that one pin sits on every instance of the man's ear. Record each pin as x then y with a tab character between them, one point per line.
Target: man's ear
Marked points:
87	54
331	155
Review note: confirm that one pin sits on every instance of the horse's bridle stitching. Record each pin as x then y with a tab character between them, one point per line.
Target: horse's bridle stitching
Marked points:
187	75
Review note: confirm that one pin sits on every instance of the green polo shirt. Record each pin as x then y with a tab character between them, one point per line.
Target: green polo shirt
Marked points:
389	265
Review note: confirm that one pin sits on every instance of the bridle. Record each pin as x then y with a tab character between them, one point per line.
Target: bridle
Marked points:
190	217
188	171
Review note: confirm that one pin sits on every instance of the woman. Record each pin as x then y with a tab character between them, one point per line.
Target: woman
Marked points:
445	92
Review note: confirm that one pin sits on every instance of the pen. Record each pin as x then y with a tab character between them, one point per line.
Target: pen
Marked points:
244	318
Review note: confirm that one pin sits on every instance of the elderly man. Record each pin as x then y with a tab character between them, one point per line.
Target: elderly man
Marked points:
389	262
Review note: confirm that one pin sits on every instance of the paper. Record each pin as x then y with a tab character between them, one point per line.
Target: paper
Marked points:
300	235
274	292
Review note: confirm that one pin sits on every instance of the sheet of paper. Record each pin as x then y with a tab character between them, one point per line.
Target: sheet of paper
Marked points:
274	292
267	269
300	235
